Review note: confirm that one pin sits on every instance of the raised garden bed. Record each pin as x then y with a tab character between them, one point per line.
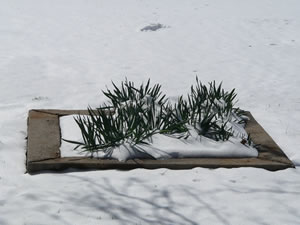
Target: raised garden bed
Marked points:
44	140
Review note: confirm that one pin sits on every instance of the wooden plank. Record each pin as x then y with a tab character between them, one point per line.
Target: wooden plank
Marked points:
267	148
187	163
43	136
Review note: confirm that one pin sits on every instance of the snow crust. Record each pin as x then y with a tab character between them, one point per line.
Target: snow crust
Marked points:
161	146
61	53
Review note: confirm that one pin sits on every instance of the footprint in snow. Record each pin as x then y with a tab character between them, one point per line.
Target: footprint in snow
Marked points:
40	98
153	27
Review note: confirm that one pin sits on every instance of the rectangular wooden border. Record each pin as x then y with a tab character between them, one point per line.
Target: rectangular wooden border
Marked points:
44	140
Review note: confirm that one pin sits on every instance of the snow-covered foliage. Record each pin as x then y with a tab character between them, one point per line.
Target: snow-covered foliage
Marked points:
134	115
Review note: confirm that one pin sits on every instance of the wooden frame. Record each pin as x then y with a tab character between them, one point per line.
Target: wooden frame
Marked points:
44	139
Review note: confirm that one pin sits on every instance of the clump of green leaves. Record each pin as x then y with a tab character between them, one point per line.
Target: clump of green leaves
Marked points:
134	114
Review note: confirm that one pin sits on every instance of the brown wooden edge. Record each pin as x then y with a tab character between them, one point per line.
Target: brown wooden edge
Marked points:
44	140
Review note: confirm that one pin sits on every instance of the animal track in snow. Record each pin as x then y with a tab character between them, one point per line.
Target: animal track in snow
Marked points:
153	27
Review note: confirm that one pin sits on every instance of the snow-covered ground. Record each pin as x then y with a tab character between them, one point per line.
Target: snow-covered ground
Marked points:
61	53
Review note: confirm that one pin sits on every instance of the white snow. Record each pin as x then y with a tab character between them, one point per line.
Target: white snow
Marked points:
61	53
160	146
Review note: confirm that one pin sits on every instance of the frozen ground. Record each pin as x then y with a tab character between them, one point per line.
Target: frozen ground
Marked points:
61	53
